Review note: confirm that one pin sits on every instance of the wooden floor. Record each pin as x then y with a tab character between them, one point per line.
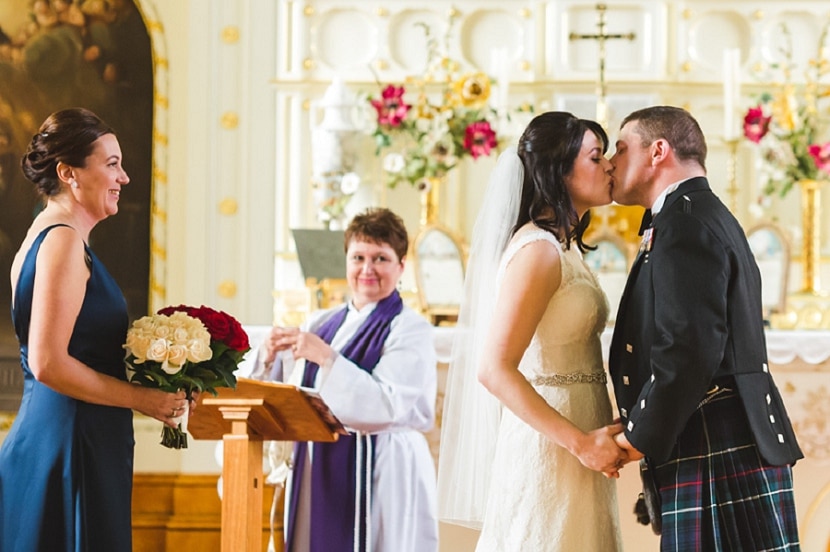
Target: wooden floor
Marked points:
182	512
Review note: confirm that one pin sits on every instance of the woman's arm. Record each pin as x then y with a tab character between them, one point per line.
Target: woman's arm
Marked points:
59	290
530	280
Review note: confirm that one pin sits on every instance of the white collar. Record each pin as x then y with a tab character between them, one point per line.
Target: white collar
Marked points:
661	199
367	308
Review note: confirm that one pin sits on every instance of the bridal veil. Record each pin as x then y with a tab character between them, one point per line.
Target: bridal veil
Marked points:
471	414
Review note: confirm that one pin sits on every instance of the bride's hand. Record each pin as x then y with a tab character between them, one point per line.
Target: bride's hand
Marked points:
600	452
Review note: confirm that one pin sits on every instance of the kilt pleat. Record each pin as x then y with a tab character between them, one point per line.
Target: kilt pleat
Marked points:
718	493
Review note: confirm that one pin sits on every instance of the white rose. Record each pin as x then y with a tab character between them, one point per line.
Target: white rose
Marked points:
138	345
157	350
162	330
180	336
170	368
177	355
199	350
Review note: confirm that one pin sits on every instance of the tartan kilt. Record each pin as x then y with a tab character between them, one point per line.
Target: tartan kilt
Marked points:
717	493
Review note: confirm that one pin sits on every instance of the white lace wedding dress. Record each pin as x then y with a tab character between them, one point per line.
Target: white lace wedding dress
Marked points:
542	499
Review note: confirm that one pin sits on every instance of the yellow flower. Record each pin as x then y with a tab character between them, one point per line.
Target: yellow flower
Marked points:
472	90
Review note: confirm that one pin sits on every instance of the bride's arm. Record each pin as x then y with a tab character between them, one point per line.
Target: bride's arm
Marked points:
530	280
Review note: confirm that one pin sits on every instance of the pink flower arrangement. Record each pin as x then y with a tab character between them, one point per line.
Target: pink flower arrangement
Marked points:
425	126
391	108
756	124
787	124
821	156
479	139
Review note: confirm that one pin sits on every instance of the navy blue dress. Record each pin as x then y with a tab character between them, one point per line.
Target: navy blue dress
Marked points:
66	466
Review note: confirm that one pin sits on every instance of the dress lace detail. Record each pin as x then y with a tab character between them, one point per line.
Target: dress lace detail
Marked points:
541	496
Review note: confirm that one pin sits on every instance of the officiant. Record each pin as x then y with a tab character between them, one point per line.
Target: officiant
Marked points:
372	361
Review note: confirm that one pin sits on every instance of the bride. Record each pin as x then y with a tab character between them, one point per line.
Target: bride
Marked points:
532	461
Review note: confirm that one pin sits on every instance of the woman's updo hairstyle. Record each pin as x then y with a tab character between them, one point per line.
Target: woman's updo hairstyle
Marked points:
66	136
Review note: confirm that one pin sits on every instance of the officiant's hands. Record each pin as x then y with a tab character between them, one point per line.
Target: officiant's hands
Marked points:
302	344
280	339
311	347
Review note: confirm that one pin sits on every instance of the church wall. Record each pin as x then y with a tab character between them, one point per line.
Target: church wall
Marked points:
245	79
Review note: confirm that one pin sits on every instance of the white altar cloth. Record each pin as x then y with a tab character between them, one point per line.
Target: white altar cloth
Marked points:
783	346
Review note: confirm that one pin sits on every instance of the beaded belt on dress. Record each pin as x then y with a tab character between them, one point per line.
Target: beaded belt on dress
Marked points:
569	379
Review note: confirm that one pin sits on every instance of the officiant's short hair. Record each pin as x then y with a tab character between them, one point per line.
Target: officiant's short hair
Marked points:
379	225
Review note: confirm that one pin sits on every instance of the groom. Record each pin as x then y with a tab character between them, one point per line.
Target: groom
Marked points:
688	357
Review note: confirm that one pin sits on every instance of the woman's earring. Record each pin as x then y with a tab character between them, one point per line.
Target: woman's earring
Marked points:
74	183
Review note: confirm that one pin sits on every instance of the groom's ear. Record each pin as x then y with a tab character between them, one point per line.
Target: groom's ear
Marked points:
660	150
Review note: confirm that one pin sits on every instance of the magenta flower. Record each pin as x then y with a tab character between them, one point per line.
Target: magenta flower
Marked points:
391	108
756	124
821	155
479	139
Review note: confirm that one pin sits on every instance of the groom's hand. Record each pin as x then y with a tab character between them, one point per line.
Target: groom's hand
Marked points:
600	452
623	443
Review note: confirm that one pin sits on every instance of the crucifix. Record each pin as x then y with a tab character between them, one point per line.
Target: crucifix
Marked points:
601	36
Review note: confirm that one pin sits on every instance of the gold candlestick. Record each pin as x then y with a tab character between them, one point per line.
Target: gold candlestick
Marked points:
811	239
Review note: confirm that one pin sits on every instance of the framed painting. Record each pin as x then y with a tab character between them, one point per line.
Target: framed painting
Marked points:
56	54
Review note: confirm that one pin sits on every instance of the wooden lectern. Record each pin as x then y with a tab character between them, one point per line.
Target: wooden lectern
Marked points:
243	418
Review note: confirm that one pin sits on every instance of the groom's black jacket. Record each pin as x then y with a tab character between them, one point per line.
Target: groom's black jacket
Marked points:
691	317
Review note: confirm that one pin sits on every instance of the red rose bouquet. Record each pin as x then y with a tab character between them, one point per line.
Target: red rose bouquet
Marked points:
185	348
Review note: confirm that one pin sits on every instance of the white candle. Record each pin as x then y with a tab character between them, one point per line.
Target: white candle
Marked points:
731	92
500	70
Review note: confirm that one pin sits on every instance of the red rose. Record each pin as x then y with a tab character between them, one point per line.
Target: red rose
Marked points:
237	339
220	325
167	311
216	322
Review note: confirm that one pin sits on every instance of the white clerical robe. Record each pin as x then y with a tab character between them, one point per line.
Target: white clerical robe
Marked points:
396	402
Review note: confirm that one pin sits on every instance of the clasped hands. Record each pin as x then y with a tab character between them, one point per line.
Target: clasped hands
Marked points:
302	344
607	450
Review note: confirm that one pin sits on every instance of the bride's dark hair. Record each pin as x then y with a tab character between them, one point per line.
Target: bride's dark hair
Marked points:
548	149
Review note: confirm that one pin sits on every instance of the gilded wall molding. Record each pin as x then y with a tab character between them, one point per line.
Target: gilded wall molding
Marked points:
159	194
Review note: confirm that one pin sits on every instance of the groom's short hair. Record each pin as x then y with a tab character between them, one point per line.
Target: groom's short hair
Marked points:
676	126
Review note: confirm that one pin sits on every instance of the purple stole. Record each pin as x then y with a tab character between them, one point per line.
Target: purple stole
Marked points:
333	485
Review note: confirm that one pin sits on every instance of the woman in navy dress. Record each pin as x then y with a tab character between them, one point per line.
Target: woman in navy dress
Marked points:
66	466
